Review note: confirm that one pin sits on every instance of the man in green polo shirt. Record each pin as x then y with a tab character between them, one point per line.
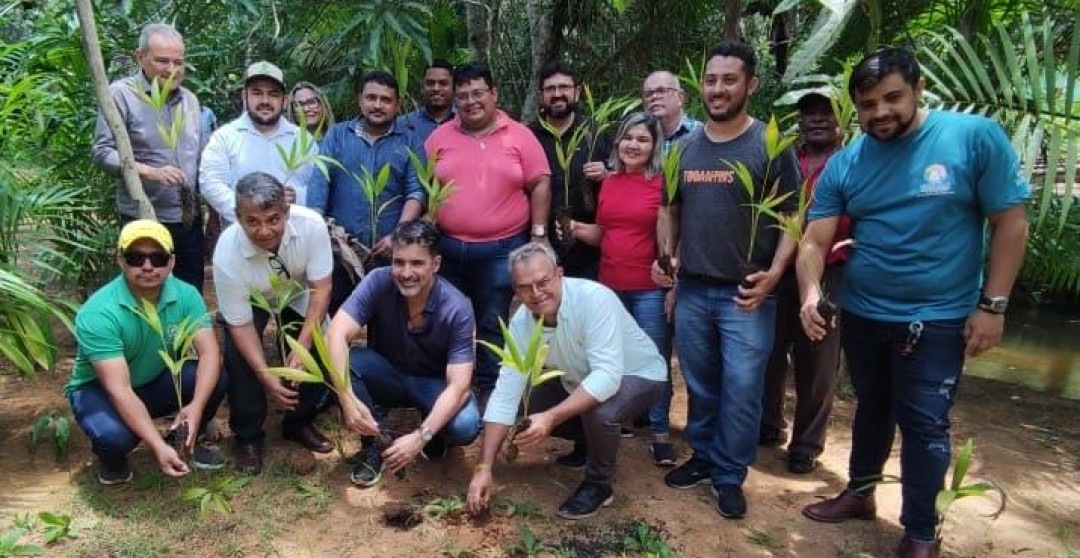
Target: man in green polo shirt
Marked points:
120	382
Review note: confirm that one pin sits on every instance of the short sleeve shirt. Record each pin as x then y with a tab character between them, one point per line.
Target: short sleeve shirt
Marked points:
108	326
627	211
918	206
446	337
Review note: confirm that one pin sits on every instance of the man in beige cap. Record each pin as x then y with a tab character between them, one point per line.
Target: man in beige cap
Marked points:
120	383
250	143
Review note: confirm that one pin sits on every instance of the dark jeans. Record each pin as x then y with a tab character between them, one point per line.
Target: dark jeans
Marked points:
381	387
188	245
815	366
110	437
723	351
647	308
479	270
247	397
916	392
600	429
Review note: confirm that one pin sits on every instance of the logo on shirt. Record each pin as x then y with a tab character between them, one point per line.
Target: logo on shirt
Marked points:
936	181
703	176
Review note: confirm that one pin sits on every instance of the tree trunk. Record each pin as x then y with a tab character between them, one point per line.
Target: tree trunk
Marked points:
873	13
539	13
478	21
92	48
732	12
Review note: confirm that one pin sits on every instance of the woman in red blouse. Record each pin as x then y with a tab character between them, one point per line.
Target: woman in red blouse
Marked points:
625	231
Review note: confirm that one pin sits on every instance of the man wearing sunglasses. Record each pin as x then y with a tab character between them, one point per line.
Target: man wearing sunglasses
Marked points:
271	243
120	383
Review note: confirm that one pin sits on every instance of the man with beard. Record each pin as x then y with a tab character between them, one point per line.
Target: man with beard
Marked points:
438	106
815	364
559	94
250	143
663	97
364	146
419	353
270	242
169	176
919	187
502	197
724	321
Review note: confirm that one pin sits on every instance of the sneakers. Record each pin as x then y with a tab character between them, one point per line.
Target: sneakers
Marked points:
368	469
586	500
663	454
109	476
249	458
576	459
693	472
730	501
206	458
801	463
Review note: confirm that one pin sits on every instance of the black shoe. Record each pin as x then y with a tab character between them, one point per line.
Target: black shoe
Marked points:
576	459
770	437
249	458
801	463
369	467
663	454
586	500
435	450
118	474
693	472
730	502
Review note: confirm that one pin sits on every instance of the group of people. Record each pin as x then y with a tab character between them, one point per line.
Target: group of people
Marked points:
614	272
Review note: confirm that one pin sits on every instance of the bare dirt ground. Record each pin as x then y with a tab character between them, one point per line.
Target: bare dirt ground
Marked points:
303	506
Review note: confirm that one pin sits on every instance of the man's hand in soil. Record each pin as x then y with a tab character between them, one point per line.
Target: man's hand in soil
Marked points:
812	323
279	391
382	247
403	451
168	175
982	331
764	283
539	429
169	462
358	418
480	490
192	415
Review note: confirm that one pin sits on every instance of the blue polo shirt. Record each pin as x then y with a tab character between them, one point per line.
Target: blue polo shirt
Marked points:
420	124
447	335
918	207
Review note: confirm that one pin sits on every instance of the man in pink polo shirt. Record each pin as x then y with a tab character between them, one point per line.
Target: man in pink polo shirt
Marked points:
501	198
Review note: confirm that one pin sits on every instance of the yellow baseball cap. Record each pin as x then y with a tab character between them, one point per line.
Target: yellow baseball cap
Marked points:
145	228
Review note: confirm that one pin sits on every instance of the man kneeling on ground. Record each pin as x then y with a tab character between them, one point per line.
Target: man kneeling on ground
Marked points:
120	382
419	353
612	372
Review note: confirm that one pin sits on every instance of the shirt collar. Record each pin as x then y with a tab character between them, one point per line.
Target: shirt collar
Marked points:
501	121
423	112
357	127
284	127
168	294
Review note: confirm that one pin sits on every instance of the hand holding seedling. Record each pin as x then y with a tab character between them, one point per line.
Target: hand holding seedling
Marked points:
382	247
662	277
982	331
169	461
358	417
480	490
191	414
168	175
403	451
279	391
594	170
540	426
763	283
813	324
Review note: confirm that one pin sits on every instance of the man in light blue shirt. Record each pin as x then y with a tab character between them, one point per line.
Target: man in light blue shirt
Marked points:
250	143
612	371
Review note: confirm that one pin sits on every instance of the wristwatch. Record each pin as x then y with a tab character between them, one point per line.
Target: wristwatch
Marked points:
539	230
993	304
426	434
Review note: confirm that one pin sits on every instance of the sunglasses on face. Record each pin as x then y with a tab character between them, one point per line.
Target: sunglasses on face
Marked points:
137	259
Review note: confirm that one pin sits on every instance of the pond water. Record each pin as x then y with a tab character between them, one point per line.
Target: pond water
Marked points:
1040	350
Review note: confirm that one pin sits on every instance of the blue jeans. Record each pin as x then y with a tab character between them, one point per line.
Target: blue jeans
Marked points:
479	270
110	437
722	353
916	392
381	388
647	308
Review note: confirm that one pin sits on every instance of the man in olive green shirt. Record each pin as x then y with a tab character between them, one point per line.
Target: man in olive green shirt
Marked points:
120	381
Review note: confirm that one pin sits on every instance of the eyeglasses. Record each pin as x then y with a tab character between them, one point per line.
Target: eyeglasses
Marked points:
474	95
541	285
310	103
137	259
278	265
560	88
659	92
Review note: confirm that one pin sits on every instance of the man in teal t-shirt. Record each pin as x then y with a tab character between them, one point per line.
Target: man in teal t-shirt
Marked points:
919	188
120	382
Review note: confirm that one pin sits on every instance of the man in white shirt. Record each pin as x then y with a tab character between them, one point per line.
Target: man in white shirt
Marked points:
270	237
250	143
613	371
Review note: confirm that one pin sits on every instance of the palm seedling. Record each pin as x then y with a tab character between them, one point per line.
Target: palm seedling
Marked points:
373	186
170	126
792	224
671	187
437	192
564	155
283	292
304	151
530	364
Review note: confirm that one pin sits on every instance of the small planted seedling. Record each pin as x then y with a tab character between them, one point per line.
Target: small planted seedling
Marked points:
11	545
647	542
58	527
437	192
530	364
445	508
529	547
315	493
54	425
216	497
957	490
523	509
